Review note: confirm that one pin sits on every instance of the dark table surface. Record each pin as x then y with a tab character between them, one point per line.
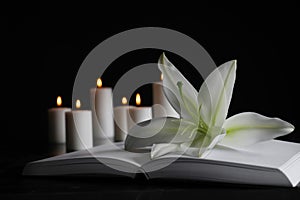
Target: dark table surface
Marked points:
15	186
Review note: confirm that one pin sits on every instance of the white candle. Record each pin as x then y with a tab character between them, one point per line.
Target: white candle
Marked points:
79	129
161	106
57	123
102	113
138	114
121	115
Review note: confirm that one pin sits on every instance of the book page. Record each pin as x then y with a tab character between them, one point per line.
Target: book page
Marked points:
105	154
269	154
261	163
272	154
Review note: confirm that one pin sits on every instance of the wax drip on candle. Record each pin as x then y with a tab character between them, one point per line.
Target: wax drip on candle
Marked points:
138	99
78	104
59	101
124	100
99	83
161	76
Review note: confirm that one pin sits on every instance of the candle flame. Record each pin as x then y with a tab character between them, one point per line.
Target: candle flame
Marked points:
99	83
58	101
161	76
78	103
124	100
138	99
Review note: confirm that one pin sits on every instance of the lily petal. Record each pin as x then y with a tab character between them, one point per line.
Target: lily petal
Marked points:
207	142
187	148
205	150
158	150
166	148
160	130
178	90
248	128
215	94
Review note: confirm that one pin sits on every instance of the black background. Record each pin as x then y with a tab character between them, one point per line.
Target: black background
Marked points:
45	45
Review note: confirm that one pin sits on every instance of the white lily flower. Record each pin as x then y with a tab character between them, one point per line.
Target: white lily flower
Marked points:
203	123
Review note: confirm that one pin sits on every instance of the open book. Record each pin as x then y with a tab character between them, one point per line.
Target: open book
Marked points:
267	163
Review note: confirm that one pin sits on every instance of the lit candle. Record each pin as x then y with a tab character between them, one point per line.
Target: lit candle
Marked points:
79	131
138	114
102	113
121	114
161	106
57	123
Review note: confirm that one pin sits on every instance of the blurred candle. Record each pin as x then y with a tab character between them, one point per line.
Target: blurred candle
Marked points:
161	106
138	114
121	114
79	131
102	113
57	123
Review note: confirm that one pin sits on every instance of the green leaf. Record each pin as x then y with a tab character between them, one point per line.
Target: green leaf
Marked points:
248	128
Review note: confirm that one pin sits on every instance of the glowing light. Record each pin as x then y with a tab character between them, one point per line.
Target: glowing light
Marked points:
99	83
78	103
138	99
124	100
58	101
